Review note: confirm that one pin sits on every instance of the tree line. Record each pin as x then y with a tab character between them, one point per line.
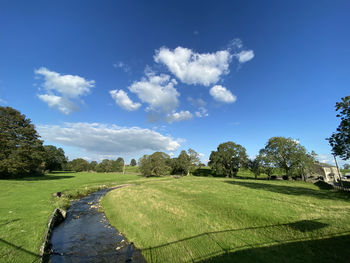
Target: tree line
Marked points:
279	153
23	153
160	163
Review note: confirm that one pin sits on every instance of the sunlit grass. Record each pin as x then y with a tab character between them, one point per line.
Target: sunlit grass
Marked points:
26	205
219	219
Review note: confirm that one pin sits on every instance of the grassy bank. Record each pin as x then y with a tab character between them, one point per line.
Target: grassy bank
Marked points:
217	219
26	205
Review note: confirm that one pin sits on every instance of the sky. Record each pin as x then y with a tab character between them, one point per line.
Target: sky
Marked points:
104	79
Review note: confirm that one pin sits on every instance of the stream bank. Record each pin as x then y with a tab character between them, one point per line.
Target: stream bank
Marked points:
86	236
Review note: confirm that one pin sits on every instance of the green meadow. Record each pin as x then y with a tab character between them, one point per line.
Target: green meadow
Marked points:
199	219
189	219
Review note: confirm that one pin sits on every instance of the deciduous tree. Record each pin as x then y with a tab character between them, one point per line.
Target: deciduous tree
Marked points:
340	140
287	154
21	151
54	158
156	164
133	162
228	158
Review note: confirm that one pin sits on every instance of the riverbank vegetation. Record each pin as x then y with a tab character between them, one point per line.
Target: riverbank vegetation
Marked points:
26	205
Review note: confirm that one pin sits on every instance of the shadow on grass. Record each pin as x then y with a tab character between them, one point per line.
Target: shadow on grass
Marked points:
291	190
38	257
331	249
9	221
202	172
211	244
39	178
62	172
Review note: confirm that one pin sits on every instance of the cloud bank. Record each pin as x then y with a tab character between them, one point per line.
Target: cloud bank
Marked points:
102	139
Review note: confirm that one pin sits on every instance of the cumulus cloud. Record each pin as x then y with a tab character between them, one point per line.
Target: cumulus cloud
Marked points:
97	138
62	89
67	85
179	116
62	104
123	100
245	56
194	68
221	94
157	91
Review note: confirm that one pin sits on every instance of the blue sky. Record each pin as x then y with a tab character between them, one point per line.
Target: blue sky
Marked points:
104	79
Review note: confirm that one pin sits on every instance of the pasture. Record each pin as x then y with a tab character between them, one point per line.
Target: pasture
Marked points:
198	219
201	219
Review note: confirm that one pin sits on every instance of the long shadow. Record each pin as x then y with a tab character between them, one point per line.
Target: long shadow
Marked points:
331	249
21	249
9	221
211	244
39	178
291	190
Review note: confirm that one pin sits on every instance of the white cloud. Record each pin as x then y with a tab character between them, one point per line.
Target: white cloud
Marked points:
202	112
179	116
158	91
245	56
122	66
61	89
221	94
67	85
194	68
62	104
196	102
97	138
123	100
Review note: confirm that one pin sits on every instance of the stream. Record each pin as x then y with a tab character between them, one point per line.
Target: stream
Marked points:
86	236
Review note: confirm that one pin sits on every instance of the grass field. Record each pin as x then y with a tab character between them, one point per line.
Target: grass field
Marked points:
203	219
26	205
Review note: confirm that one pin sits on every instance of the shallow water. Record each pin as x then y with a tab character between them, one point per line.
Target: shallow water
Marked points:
87	236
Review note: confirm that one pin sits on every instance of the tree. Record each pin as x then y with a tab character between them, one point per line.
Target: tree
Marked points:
255	166
79	165
306	164
287	154
194	157
92	166
118	165
228	158
346	166
133	162
266	162
156	164
340	140
106	166
21	151
54	158
182	164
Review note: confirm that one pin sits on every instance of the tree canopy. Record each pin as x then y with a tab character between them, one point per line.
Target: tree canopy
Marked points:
133	162
54	158
228	158
21	151
156	164
288	155
340	140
